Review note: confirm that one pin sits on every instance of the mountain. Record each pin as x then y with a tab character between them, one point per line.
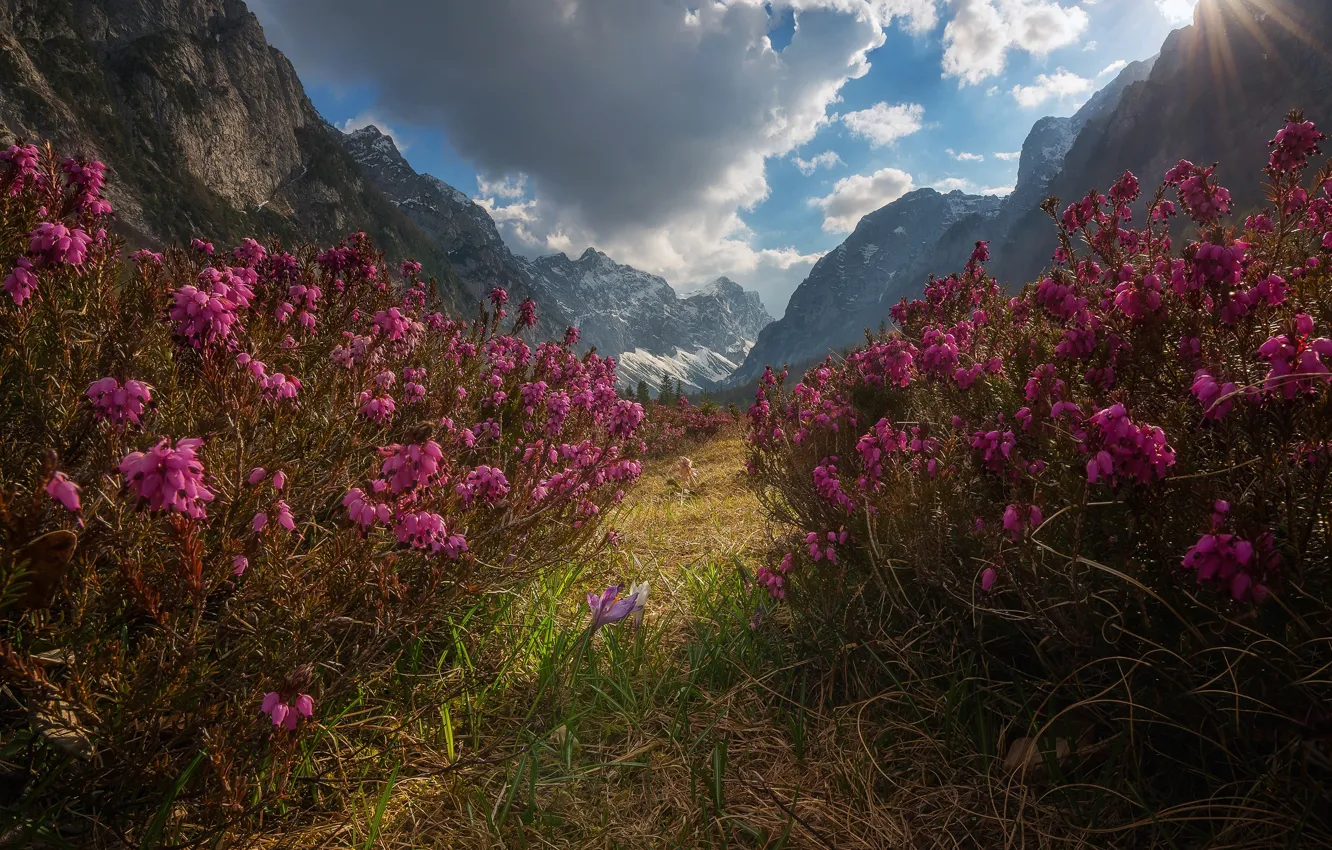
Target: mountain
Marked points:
894	249
1217	92
862	277
625	312
459	226
205	128
638	317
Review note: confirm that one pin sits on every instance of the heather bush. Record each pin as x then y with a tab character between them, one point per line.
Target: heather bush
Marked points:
1098	506
670	428
285	470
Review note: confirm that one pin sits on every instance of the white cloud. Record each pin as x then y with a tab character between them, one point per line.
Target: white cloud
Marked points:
971	187
1060	85
977	40
1177	12
1009	156
1090	46
969	157
1113	68
952	184
644	135
883	124
827	159
506	187
367	119
852	197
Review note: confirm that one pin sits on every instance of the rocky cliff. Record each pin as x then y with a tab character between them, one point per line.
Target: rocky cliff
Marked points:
206	129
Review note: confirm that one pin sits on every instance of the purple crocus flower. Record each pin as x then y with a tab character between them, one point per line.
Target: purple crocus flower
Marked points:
608	608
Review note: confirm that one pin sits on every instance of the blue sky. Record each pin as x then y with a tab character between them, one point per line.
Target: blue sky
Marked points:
679	140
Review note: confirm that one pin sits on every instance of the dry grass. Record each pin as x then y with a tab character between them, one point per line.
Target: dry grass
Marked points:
620	743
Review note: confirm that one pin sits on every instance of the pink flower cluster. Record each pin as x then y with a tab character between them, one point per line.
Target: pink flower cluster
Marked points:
1127	451
1296	361
416	465
1233	562
169	477
119	404
209	313
54	244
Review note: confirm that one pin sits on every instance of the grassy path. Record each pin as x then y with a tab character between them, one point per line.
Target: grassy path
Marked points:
695	730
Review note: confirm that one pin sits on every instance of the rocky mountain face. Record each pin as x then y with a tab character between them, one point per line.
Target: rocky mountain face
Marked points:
894	249
698	340
862	277
622	311
206	129
452	220
1217	92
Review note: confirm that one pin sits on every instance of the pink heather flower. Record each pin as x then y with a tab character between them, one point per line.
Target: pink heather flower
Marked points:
169	478
200	245
1129	451
1295	361
527	316
64	491
284	715
256	475
207	313
1234	563
260	522
363	511
571	334
425	530
485	484
410	466
53	243
1204	200
23	160
250	253
988	577
278	386
1216	398
378	409
20	283
279	480
284	518
499	297
1293	145
145	257
118	404
239	565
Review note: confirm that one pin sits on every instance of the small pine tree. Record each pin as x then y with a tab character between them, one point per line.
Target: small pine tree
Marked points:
644	395
664	389
679	391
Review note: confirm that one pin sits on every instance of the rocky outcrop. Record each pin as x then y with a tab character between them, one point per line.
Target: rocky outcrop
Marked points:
453	221
206	129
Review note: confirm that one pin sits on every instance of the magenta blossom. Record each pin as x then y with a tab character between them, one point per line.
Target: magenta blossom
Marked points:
64	491
119	404
169	478
239	565
54	244
21	282
284	714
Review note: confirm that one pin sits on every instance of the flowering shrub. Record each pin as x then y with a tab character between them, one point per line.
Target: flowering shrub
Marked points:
671	427
281	465
1113	485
